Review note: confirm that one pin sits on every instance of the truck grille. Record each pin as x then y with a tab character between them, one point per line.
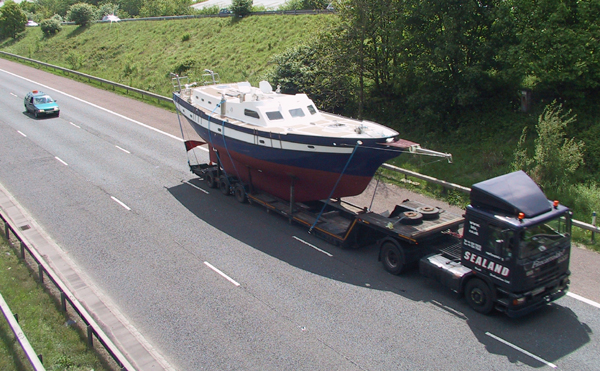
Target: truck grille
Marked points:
550	271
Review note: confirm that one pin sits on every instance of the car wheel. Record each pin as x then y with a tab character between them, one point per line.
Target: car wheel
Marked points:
36	114
57	113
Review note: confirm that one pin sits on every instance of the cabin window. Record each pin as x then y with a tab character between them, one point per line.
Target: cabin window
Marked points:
251	113
275	115
311	109
297	112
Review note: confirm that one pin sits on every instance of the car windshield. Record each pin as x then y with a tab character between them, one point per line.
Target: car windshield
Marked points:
44	99
542	237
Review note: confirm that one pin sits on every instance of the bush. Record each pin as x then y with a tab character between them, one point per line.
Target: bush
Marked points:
241	8
50	26
81	13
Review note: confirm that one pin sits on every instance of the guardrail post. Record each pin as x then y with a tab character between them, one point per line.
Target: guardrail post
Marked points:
6	230
90	336
41	357
594	224
22	250
63	301
41	273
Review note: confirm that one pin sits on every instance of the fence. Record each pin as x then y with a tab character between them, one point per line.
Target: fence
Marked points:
577	223
44	270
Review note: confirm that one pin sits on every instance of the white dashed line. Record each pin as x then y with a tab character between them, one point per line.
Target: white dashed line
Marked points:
77	126
222	274
20	132
61	161
198	188
585	300
313	246
520	350
124	150
120	203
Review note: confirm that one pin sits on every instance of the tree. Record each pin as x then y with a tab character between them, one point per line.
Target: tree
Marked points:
82	14
555	157
12	20
241	7
50	26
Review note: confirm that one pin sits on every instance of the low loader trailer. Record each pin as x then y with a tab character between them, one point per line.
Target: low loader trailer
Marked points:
510	250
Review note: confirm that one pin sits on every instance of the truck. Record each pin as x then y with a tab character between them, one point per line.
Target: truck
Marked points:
510	250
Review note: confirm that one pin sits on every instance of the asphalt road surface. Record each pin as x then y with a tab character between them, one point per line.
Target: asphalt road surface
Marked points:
217	285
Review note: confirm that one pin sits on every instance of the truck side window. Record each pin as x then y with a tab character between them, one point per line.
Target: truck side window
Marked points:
495	242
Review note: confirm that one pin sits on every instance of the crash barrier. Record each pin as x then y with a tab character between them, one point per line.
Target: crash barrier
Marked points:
13	323
443	183
44	270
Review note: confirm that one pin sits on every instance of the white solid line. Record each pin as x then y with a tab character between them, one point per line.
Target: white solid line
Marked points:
64	163
198	188
94	105
221	273
585	300
313	246
520	350
124	150
78	127
120	202
20	132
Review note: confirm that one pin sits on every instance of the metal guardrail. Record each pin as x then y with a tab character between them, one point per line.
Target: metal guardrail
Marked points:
442	183
66	296
33	358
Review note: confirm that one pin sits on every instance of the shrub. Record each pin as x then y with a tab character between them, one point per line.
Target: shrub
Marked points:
50	26
81	13
241	7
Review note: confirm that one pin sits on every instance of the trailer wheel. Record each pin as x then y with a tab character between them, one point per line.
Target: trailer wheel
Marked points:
224	185
239	191
479	296
392	257
211	179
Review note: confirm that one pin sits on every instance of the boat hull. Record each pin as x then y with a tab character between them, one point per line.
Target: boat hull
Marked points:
317	167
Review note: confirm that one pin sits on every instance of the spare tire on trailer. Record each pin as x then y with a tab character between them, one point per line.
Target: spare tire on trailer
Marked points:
429	212
411	217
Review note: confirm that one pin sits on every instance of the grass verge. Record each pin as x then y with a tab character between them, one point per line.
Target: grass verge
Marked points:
52	333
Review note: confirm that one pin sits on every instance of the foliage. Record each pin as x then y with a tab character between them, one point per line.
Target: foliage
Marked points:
12	20
241	8
157	8
308	69
555	157
81	13
50	26
107	9
304	4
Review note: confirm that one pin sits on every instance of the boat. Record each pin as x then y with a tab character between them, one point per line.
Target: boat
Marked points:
281	143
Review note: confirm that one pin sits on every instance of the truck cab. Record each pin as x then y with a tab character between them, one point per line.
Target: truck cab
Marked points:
517	245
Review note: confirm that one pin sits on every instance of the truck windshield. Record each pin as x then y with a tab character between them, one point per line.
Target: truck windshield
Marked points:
542	237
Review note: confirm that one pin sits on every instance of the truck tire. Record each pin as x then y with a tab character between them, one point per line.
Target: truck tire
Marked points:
479	296
211	179
239	191
411	218
224	185
429	212
392	256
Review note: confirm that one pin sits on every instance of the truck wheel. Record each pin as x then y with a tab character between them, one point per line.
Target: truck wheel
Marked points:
392	257
224	185
211	179
240	193
479	296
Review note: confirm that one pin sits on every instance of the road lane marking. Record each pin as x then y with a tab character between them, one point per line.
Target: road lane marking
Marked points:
120	203
77	126
198	188
222	274
96	106
313	246
64	163
124	150
14	95
23	134
585	300
520	350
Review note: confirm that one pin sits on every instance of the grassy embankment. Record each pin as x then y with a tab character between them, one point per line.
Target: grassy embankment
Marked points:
142	54
50	332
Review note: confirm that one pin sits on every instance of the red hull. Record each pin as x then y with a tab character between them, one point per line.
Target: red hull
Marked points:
309	185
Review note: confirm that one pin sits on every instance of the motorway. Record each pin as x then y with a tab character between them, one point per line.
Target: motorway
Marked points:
214	284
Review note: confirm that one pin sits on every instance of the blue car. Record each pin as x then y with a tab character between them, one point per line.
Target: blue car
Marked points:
40	104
